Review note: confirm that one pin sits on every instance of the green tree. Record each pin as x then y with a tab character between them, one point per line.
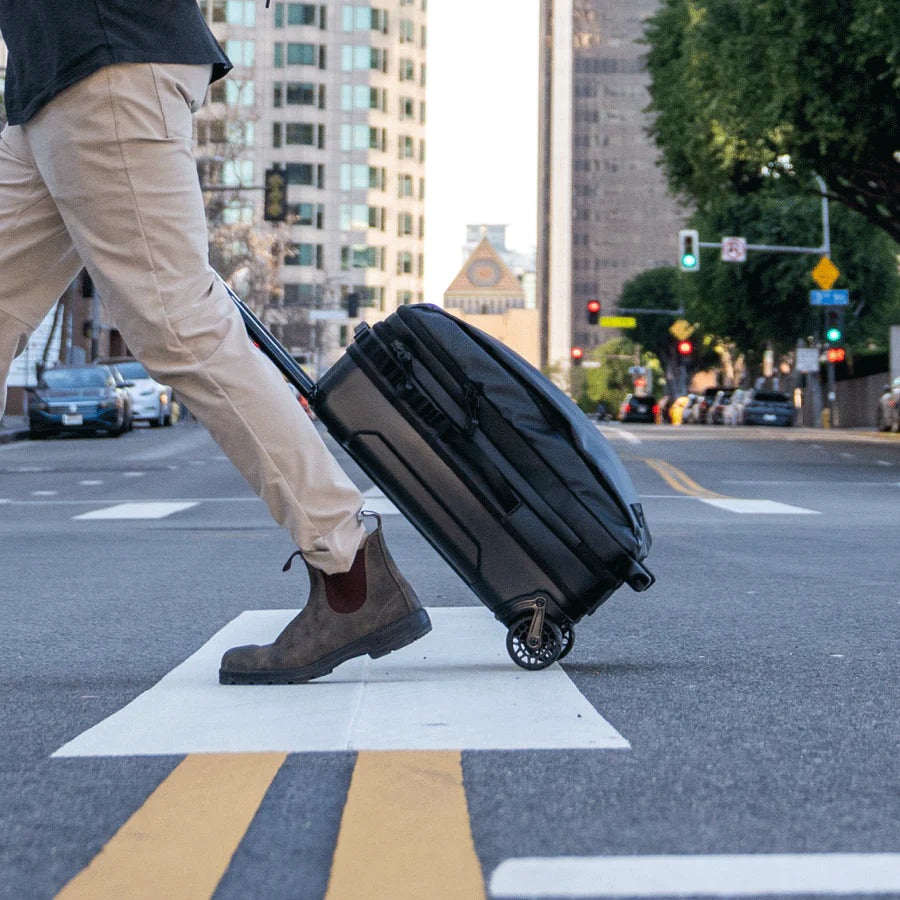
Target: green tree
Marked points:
765	301
741	88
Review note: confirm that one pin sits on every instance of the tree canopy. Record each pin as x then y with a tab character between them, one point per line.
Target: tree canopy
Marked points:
745	88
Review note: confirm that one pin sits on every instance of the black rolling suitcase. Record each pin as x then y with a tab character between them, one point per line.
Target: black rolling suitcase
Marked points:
510	482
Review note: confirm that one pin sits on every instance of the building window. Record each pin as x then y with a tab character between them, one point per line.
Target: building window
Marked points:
240	93
407	31
240	52
363	57
407	70
304	173
404	224
302	54
362	18
404	263
300	133
378	139
407	109
234	12
277	134
404	298
302	13
303	255
354	137
277	94
404	186
237	172
354	216
300	93
300	294
407	147
311	214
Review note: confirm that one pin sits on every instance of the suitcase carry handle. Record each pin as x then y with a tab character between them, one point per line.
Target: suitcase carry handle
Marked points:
268	343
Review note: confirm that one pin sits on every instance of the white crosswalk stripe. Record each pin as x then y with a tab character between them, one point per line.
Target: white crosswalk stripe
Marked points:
148	510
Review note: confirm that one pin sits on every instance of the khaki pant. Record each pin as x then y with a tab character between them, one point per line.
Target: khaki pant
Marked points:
104	177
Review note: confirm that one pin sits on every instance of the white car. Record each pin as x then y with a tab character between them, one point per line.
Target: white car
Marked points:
152	400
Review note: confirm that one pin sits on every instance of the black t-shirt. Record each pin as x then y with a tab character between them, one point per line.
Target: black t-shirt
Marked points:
55	43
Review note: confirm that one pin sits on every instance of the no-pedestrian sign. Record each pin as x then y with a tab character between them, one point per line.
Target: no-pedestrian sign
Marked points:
734	249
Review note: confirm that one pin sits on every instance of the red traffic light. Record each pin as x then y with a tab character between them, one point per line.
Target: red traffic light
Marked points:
836	354
594	306
685	348
577	354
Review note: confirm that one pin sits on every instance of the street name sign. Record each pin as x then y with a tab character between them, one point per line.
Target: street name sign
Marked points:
825	274
618	321
734	249
829	298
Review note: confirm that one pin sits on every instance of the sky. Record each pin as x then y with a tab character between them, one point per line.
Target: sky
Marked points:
481	130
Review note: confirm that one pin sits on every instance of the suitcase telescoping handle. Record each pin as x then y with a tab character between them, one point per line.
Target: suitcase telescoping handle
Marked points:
266	341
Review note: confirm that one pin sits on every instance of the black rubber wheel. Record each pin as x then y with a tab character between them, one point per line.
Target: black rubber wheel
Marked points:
534	658
568	640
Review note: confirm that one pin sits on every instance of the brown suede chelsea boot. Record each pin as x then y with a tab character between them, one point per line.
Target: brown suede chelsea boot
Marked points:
370	609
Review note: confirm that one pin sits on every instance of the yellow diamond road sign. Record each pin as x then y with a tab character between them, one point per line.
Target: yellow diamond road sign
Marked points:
825	274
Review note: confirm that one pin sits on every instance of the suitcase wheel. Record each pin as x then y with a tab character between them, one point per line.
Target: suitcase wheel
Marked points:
534	642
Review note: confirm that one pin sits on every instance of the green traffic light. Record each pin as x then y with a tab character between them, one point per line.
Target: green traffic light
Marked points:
688	261
833	335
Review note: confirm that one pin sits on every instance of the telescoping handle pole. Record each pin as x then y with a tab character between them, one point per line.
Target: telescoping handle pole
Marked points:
266	341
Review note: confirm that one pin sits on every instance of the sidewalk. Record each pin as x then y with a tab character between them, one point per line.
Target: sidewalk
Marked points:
13	428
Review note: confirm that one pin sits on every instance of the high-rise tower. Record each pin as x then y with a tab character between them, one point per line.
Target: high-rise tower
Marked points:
604	212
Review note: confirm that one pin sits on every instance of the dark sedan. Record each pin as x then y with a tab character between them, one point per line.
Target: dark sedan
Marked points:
769	408
77	399
639	408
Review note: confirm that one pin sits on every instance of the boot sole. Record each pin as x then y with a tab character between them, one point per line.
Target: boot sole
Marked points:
377	644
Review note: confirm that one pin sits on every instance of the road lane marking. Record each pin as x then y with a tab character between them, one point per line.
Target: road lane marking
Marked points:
179	844
455	689
759	507
377	502
608	430
143	510
405	832
679	480
756	875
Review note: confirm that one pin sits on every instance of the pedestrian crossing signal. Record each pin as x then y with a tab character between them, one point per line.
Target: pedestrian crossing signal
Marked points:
593	311
577	355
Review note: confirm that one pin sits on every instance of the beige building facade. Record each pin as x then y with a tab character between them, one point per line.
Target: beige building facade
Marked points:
604	211
489	296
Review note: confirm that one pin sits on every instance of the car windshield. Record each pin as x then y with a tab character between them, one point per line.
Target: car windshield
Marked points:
766	397
57	379
132	370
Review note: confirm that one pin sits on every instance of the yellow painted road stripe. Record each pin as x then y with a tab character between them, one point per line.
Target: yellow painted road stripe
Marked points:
179	843
679	480
405	833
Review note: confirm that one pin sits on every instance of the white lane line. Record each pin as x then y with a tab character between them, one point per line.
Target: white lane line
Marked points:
377	502
133	474
756	875
149	510
608	430
90	483
759	507
454	689
44	493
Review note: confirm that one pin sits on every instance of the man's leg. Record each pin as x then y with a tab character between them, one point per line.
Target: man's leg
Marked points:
37	259
115	151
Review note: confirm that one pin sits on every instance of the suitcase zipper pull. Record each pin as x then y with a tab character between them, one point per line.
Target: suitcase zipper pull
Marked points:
405	358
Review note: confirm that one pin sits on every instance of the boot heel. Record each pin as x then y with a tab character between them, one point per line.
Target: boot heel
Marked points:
398	634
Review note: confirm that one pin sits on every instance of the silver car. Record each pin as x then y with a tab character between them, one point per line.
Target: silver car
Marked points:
152	400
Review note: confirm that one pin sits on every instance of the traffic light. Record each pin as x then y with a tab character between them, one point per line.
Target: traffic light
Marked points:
577	356
275	196
836	354
685	348
688	250
834	326
593	311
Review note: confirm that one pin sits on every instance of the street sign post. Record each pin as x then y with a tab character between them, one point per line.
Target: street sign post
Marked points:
734	249
829	298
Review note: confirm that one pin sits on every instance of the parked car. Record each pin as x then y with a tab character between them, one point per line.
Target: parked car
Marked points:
889	407
734	412
78	399
689	413
769	408
715	415
125	388
152	400
639	408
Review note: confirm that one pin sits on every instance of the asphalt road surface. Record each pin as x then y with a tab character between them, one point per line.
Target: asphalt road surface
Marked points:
734	731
